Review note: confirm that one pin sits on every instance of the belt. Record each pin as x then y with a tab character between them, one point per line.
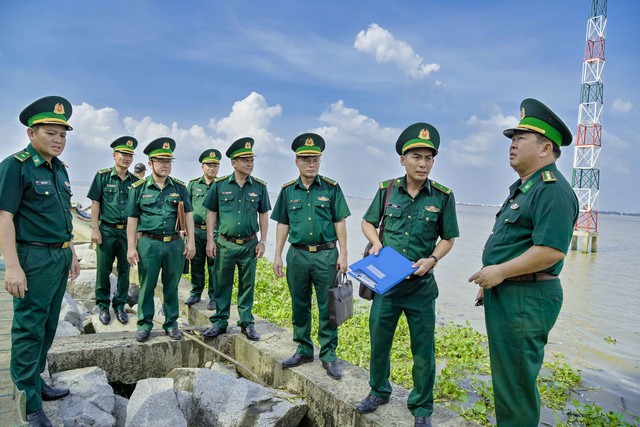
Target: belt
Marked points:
316	248
120	226
239	240
532	277
201	226
162	237
62	245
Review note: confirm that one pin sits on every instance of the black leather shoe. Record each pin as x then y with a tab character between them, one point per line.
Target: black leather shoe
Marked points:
422	422
214	331
296	360
333	369
122	316
174	333
54	393
250	332
211	305
192	300
105	316
38	419
142	336
370	404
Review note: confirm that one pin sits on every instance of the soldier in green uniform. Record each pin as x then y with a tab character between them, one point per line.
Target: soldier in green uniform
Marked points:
312	211
239	206
522	259
35	238
198	188
153	212
109	193
420	223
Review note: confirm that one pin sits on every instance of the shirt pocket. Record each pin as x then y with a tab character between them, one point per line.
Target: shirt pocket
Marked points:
149	205
294	210
227	203
251	202
429	222
510	227
109	193
323	209
46	196
393	220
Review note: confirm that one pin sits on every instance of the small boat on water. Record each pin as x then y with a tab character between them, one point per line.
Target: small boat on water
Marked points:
80	212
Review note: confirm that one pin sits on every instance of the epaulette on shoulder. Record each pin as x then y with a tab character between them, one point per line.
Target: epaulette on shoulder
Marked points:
329	180
260	181
548	176
440	187
194	179
177	181
21	156
286	184
386	184
138	183
103	171
221	178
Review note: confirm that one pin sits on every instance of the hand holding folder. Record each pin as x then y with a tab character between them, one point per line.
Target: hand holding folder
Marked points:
382	272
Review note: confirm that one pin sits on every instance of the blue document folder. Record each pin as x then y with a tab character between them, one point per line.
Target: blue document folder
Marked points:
382	272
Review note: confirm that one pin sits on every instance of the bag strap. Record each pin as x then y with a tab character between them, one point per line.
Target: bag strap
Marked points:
341	279
386	200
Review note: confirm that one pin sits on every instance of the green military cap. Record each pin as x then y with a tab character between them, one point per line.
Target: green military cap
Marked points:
210	156
50	110
124	144
243	147
537	117
418	135
160	147
308	144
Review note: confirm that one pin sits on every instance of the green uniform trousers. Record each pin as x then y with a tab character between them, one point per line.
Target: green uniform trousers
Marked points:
306	271
197	266
519	316
415	298
114	246
156	255
228	256
35	317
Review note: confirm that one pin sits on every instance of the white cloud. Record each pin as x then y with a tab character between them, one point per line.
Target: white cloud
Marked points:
621	106
383	45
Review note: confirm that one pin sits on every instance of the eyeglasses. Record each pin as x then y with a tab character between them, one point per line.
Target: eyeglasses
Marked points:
310	160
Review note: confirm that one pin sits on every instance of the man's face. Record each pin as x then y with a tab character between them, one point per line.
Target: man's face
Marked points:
309	166
243	165
418	163
525	152
122	160
210	170
161	167
48	140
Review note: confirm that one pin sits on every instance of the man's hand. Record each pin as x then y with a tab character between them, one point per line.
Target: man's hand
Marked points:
189	250
74	271
424	265
132	257
15	282
342	264
277	267
375	249
211	249
488	277
260	247
96	236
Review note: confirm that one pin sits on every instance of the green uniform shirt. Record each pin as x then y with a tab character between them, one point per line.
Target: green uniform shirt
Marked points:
198	189
112	193
413	225
310	213
237	207
38	194
157	209
539	212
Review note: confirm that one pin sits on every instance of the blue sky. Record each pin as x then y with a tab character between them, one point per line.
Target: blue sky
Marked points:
209	72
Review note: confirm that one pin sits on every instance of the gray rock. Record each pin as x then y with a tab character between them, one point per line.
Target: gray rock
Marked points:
225	369
183	378
70	312
66	329
84	287
134	292
242	404
114	325
158	310
154	403
185	402
120	410
91	401
86	255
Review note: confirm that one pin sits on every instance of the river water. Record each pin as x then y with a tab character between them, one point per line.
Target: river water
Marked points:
601	296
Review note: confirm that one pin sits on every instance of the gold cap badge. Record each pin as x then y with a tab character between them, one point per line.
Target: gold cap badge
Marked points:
129	143
424	134
166	146
247	144
212	154
58	109
308	142
522	113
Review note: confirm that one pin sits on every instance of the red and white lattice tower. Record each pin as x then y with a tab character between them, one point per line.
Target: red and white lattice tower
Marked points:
586	173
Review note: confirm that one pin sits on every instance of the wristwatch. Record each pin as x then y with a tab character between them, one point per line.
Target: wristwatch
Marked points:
435	258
